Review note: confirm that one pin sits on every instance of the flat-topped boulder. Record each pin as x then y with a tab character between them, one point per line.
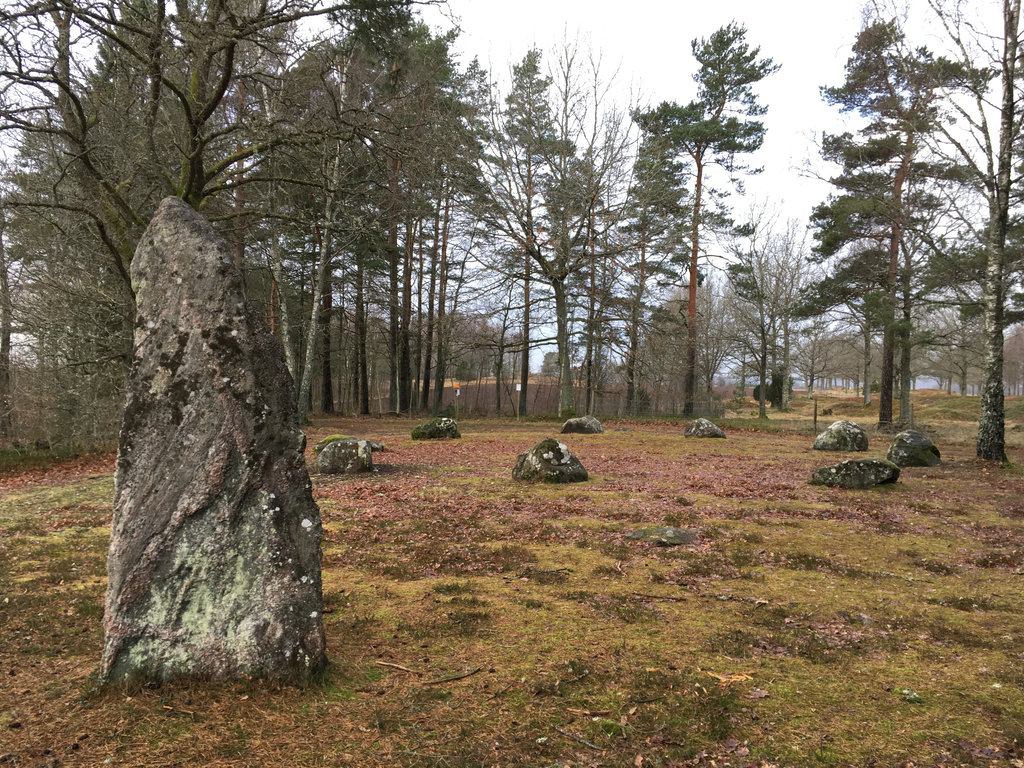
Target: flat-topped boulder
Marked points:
321	444
436	429
214	561
345	457
549	461
842	436
857	473
910	448
582	425
664	535
703	428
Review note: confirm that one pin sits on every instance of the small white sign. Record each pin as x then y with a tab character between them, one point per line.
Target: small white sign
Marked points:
458	392
519	386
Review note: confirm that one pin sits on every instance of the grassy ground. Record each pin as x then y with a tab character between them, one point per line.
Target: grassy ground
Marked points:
475	621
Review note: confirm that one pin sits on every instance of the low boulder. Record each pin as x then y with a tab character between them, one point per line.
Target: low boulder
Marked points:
582	425
374	445
436	429
857	473
345	457
910	448
703	428
664	535
842	436
549	461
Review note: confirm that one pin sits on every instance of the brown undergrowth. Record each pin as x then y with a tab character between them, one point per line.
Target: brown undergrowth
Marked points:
475	621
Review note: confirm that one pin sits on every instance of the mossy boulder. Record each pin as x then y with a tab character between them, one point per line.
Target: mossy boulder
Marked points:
436	429
374	445
703	428
549	461
345	457
857	473
664	535
910	448
842	436
582	425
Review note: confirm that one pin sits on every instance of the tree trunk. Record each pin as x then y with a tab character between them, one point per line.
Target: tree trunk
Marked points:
785	363
867	362
905	350
591	320
886	376
285	320
565	393
991	425
326	380
499	372
691	309
762	412
905	341
442	305
393	289
417	356
6	324
362	368
631	357
313	331
405	333
428	337
524	366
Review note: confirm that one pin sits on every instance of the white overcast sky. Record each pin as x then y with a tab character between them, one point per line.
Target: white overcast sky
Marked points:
648	43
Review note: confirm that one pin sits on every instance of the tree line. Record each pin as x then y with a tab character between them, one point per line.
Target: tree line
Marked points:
405	219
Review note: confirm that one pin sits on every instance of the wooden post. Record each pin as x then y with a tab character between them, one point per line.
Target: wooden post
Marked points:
815	415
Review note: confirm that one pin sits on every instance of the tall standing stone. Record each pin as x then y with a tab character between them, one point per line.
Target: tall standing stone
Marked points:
214	563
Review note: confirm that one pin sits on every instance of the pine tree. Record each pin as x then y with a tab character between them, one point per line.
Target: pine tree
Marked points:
879	166
713	129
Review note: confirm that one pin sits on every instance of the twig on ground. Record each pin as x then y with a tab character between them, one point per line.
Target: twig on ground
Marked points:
496	694
452	677
530	571
175	709
659	597
397	666
580	739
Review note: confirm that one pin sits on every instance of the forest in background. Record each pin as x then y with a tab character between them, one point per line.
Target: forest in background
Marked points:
406	220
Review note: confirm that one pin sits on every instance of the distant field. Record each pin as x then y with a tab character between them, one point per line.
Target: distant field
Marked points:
949	418
475	621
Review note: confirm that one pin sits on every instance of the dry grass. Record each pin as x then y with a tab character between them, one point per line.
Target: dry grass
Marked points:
806	626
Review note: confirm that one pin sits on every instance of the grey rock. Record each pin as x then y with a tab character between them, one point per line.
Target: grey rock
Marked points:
857	473
436	429
321	444
549	461
703	428
345	457
582	425
910	448
842	436
214	561
664	535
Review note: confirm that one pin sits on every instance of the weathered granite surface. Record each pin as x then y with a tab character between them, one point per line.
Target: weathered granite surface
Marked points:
549	461
214	562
